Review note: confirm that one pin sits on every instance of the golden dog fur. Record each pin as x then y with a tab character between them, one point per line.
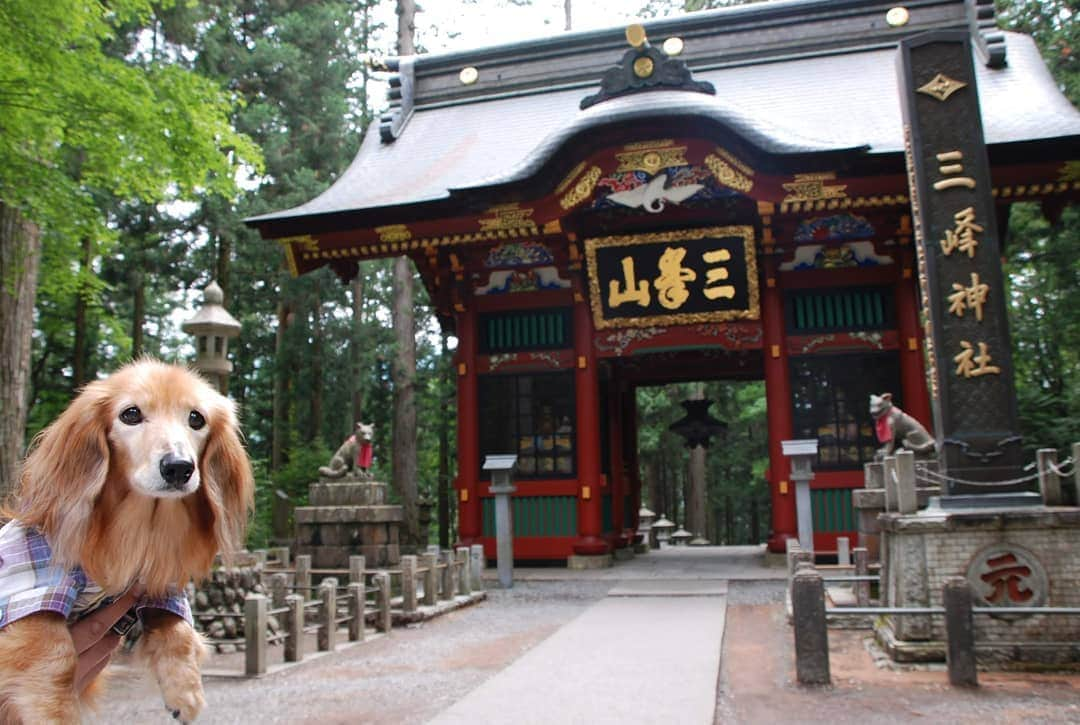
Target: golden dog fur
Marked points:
84	484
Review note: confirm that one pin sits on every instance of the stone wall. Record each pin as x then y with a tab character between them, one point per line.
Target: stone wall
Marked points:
222	594
1038	551
348	517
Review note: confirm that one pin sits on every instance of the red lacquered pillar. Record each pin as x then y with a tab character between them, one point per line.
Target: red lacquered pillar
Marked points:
912	366
778	400
586	383
467	483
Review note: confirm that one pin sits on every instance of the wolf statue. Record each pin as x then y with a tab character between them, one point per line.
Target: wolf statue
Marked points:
896	429
354	455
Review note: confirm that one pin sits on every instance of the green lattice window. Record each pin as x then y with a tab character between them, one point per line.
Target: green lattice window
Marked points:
525	330
833	512
835	310
831	399
535	515
532	416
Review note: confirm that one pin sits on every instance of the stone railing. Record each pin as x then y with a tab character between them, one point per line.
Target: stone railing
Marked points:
435	576
287	604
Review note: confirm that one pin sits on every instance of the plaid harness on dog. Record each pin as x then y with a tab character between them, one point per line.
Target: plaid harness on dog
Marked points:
31	583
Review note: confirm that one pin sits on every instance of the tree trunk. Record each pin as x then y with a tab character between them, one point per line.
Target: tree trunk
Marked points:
355	343
403	370
652	475
403	373
695	487
138	313
315	427
406	30
224	265
729	520
20	255
755	521
80	354
446	394
568	14
279	435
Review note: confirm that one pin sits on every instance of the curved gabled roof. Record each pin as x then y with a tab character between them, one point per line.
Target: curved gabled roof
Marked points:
815	100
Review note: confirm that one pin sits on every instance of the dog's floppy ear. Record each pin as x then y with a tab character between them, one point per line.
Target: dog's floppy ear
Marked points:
65	471
227	479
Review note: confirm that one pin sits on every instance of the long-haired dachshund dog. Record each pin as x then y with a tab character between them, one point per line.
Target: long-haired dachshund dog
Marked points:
143	479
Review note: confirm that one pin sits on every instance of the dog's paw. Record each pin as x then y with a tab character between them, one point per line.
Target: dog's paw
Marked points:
185	704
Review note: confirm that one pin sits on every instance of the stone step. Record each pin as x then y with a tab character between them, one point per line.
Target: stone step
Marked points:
350	493
349	514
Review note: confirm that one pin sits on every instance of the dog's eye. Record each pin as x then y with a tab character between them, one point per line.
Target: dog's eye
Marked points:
131	416
196	420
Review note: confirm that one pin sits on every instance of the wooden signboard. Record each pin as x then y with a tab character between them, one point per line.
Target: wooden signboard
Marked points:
679	277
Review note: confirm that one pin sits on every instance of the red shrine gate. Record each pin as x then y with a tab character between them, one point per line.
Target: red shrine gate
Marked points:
735	209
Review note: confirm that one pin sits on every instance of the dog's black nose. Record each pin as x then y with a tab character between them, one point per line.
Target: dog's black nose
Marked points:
176	471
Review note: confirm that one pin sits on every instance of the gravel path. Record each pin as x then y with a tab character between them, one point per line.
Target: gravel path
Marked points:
407	677
417	672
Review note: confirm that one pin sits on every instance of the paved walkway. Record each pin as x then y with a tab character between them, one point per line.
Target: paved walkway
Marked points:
649	652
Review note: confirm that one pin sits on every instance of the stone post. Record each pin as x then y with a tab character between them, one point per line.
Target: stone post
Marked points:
279	588
464	585
328	615
408	583
862	568
476	558
259	555
504	535
282	555
446	574
303	575
889	476
357	597
907	501
357	564
802	453
382	601
843	551
502	488
1049	481
873	475
1076	472
255	615
294	627
959	633
811	632
429	562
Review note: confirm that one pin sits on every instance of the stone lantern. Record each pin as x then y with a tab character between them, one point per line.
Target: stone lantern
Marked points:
803	455
212	327
662	529
644	539
681	537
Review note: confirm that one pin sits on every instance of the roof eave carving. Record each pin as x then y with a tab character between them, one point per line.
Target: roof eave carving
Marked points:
646	68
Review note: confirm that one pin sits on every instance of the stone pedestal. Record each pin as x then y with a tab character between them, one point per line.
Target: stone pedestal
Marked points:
348	517
1011	557
868	503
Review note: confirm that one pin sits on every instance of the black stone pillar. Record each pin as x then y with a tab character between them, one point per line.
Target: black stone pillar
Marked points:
960	277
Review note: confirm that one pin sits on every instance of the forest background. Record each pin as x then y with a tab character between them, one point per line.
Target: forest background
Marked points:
136	135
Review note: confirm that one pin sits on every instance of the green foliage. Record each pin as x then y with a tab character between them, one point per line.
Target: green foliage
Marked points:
1043	274
1053	24
735	462
86	124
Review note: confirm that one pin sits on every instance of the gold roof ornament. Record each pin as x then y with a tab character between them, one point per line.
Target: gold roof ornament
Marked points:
897	17
673	46
635	36
468	75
